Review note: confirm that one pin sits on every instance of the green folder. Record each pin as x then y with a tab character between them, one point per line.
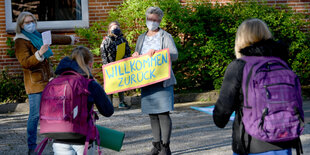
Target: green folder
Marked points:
120	51
111	139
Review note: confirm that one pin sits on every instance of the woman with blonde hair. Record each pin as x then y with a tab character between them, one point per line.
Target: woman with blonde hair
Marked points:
81	61
253	38
108	50
33	57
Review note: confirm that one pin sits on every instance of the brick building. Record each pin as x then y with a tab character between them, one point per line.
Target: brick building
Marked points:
96	10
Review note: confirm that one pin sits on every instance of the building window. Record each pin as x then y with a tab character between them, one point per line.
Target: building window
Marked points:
51	15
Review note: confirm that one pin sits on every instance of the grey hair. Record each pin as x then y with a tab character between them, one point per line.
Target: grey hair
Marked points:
20	20
154	10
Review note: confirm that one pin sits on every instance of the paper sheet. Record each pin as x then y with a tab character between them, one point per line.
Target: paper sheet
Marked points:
47	37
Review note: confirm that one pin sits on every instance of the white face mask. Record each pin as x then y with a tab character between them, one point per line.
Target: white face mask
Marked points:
31	27
152	25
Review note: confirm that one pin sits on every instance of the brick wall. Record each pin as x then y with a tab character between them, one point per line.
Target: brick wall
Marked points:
98	10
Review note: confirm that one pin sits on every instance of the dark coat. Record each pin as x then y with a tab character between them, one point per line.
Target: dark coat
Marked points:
108	48
231	99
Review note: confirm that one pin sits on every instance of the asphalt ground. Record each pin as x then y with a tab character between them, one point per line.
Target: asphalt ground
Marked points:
193	133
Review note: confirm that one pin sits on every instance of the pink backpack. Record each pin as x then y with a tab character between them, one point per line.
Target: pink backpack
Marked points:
63	110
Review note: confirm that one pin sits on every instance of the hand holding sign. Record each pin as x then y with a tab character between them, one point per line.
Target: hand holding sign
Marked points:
151	52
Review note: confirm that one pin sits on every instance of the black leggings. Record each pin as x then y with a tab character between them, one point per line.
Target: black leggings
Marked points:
161	127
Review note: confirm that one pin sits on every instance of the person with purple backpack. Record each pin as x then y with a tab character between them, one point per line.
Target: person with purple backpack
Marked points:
81	61
260	57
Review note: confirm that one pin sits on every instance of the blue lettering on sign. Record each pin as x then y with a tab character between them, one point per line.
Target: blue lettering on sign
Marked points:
132	66
126	72
165	58
158	59
110	75
153	59
115	68
152	74
132	78
141	76
120	83
147	61
145	76
120	71
137	65
127	83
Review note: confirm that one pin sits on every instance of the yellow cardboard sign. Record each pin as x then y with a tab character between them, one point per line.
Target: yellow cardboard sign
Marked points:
120	51
136	72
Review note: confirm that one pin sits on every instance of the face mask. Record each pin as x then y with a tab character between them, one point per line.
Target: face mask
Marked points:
116	31
152	25
30	28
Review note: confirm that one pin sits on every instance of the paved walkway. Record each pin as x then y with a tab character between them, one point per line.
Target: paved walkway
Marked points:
193	132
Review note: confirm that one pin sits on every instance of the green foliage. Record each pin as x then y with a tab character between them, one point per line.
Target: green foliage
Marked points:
12	88
10	43
204	35
92	35
131	16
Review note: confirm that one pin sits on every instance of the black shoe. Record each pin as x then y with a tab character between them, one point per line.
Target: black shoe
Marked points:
156	148
165	149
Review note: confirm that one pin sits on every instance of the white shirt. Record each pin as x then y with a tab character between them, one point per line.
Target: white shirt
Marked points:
151	42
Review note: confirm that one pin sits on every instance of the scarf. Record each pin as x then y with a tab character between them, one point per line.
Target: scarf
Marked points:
36	40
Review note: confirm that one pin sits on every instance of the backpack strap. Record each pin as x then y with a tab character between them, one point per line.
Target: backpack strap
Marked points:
91	123
70	72
41	146
299	149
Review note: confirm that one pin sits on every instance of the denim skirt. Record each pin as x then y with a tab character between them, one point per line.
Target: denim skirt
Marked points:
156	99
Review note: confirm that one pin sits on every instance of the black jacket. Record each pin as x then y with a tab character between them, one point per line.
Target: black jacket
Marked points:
97	94
108	48
231	99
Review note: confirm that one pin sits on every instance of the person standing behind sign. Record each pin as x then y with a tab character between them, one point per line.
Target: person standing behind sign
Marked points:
158	99
108	50
31	54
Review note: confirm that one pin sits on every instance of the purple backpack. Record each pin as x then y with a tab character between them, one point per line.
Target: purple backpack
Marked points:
63	110
272	107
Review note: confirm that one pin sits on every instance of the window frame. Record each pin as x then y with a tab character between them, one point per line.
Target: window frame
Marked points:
49	25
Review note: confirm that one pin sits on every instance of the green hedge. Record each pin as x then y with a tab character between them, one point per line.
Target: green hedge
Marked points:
205	34
12	88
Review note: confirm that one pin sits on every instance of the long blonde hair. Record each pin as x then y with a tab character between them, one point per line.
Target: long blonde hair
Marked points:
249	32
83	57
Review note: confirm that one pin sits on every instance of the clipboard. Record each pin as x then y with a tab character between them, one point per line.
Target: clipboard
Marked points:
120	51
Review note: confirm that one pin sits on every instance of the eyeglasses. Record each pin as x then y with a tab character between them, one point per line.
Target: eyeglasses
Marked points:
152	19
28	22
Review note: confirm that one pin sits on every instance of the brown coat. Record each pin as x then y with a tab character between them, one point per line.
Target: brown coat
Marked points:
36	73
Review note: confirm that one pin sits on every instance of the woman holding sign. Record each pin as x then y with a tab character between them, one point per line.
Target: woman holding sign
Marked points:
158	99
115	47
33	56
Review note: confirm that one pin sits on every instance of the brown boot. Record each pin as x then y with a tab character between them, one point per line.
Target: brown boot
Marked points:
165	149
156	148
